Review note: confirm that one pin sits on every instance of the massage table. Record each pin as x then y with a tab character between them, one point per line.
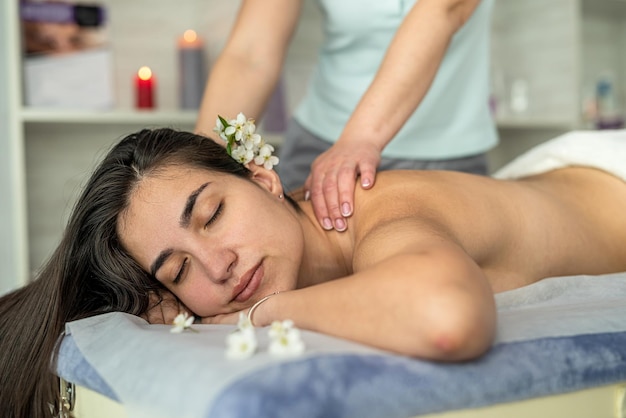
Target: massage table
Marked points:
560	351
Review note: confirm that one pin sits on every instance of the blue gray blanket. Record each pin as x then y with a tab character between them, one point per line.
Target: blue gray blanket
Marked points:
556	336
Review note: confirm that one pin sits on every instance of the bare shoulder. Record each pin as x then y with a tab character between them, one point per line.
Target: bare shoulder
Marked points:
439	197
411	207
506	227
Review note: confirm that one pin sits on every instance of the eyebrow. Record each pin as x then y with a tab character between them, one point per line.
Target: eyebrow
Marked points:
160	260
185	219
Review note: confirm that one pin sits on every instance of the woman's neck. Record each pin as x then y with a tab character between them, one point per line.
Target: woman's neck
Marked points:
327	254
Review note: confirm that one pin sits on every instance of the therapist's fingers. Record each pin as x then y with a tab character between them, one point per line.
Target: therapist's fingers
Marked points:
325	195
346	183
314	193
339	184
332	194
328	186
345	189
331	183
367	169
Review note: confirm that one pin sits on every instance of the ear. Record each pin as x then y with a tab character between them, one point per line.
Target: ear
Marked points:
267	179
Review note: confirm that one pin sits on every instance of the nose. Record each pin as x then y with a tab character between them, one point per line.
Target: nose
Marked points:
218	264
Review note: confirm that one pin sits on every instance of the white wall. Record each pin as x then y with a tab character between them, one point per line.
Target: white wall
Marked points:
144	32
533	40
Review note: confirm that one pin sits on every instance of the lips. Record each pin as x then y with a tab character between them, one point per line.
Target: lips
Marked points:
249	283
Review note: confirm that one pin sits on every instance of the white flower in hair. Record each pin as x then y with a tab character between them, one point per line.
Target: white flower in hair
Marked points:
265	157
243	144
253	141
182	322
242	154
219	129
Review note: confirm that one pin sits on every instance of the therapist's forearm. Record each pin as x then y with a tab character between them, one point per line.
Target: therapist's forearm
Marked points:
235	86
244	75
407	71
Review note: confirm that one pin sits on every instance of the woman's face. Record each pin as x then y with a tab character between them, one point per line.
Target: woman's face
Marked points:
218	242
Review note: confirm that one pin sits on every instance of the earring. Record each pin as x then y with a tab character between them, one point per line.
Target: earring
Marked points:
280	196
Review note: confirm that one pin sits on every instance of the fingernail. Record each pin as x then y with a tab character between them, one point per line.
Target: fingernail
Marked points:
365	183
307	195
340	224
345	209
328	225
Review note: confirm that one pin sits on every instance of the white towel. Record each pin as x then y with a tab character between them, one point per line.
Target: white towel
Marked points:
563	306
604	150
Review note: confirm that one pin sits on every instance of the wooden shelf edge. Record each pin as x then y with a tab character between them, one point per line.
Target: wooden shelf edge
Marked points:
121	117
535	123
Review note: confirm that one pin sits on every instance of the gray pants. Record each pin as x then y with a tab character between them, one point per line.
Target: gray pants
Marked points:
302	147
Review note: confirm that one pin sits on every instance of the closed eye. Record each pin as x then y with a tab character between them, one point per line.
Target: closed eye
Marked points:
181	271
216	215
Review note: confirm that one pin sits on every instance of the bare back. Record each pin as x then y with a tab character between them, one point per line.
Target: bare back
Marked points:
568	221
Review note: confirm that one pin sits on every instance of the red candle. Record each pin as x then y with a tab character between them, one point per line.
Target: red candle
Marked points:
144	86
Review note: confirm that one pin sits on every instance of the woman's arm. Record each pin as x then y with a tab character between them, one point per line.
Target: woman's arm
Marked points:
247	70
403	79
413	293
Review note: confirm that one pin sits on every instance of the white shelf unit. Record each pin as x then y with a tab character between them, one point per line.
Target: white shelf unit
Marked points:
116	117
13	224
46	154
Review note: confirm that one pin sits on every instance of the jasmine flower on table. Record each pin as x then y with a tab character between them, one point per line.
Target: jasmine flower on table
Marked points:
241	343
244	324
279	328
285	339
182	322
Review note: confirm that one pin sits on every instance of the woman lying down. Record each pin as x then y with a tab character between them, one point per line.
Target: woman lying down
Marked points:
414	273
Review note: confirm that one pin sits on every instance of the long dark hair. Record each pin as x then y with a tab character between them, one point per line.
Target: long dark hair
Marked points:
89	273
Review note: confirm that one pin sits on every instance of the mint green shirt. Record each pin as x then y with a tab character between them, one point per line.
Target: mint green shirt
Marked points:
453	120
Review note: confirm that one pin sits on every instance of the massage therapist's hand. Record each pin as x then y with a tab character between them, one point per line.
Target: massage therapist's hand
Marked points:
331	183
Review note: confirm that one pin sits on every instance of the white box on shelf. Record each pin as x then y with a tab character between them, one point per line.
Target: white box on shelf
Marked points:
80	80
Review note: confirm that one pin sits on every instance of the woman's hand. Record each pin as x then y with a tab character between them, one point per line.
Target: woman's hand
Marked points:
229	318
331	183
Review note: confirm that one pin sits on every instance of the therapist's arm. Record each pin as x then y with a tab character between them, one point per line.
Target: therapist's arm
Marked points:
403	79
247	70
